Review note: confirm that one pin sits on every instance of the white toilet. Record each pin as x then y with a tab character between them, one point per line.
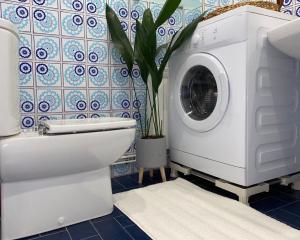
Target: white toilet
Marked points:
58	175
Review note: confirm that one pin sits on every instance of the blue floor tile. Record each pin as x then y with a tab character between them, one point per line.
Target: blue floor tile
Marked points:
111	230
116	187
81	230
283	196
93	238
267	204
124	221
137	233
147	180
286	217
63	235
293	208
116	212
293	193
127	182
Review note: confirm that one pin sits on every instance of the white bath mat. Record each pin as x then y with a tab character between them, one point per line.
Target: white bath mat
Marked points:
181	210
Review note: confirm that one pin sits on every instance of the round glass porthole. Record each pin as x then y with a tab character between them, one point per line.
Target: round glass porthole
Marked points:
199	93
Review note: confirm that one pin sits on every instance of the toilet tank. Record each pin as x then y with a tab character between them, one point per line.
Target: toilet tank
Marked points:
9	75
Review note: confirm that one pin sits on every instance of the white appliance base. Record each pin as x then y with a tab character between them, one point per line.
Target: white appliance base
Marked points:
35	206
224	171
243	193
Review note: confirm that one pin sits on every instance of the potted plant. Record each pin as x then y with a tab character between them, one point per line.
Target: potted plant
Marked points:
151	148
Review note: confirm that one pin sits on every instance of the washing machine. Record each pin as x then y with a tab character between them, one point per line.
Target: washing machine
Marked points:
234	100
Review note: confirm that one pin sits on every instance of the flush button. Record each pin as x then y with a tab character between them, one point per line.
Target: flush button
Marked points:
61	220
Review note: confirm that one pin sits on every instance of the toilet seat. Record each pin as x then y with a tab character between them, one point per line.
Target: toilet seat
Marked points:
65	126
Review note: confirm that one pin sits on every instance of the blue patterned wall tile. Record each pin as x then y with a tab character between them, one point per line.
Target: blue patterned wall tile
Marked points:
72	24
289	11
45	117
73	50
176	18
226	2
137	79
132	32
137	9
47	75
27	100
97	52
74	75
99	100
140	100
17	14
121	169
120	7
124	114
119	77
161	35
139	116
72	5
297	11
115	55
20	1
99	114
171	31
26	74
155	9
25	47
96	27
121	99
287	3
45	21
209	8
214	3
45	3
75	100
76	116
98	76
47	48
27	121
125	26
49	101
190	15
95	7
160	57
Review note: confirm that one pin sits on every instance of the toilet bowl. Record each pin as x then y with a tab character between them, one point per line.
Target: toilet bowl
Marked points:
58	175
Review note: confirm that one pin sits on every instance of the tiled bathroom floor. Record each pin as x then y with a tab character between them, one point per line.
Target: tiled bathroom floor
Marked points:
281	203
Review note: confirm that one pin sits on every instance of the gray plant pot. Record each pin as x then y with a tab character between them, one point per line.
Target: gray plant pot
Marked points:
151	153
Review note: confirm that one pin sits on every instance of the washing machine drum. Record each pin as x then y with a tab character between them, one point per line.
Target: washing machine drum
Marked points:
202	92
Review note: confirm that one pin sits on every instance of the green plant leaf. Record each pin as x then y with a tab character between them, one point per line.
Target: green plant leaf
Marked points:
139	60
145	54
167	10
119	38
145	38
149	31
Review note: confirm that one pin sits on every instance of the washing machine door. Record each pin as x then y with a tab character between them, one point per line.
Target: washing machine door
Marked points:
202	92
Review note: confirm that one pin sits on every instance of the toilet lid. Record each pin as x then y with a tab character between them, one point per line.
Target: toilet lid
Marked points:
87	124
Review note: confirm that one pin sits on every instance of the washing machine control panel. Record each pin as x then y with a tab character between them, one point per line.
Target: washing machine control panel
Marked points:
220	33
